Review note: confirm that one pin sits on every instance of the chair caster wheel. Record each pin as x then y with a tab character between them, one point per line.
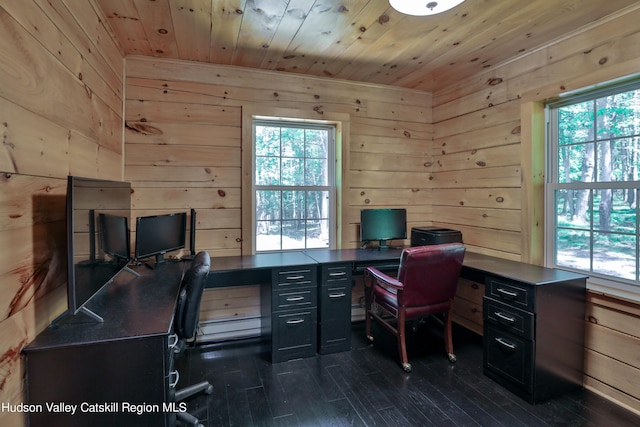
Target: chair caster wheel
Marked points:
452	357
370	338
406	367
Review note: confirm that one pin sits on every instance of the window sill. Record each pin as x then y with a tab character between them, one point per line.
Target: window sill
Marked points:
619	290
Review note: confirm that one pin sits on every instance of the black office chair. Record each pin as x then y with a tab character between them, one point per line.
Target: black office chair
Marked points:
186	325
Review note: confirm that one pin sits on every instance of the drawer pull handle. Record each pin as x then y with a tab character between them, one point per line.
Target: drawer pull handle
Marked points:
506	293
506	344
295	277
294	321
342	273
172	341
292	299
340	295
177	376
505	317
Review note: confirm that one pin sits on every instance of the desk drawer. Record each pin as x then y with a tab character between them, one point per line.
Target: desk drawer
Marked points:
294	334
294	298
294	277
511	319
511	293
509	356
334	274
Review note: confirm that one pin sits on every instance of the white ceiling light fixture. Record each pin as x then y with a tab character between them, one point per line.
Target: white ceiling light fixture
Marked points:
423	7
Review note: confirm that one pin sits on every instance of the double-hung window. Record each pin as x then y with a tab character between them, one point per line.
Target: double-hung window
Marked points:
294	190
593	184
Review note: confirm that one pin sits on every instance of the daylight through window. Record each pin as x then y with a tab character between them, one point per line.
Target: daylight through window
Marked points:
592	189
294	185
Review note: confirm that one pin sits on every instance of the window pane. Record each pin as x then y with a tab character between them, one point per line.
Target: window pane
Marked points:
293	204
616	115
268	235
618	160
292	142
318	204
317	143
576	123
316	172
267	141
576	163
573	249
268	205
614	210
267	170
318	233
293	234
573	208
292	171
615	255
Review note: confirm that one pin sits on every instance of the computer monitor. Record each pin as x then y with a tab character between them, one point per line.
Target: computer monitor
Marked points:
158	234
97	214
382	225
114	235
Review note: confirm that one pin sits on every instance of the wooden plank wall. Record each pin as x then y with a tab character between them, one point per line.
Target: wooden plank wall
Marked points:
183	150
61	108
183	142
485	181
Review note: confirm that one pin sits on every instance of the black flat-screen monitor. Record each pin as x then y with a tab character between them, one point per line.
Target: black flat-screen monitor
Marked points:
158	234
97	237
114	235
382	225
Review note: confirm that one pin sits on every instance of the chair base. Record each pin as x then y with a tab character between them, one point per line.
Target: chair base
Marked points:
186	392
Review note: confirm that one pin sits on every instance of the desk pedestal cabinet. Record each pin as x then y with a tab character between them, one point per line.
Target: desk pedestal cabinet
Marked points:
118	373
534	335
334	324
289	308
109	381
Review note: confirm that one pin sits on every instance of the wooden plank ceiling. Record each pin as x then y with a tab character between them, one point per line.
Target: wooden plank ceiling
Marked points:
362	40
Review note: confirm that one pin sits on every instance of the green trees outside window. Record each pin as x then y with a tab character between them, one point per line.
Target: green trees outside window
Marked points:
294	185
593	182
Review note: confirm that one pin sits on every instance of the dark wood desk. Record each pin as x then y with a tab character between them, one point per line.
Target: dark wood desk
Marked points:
122	362
533	317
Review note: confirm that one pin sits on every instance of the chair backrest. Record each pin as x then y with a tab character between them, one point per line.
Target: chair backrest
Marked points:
430	273
193	283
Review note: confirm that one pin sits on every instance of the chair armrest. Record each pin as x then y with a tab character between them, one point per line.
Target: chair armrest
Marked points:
382	278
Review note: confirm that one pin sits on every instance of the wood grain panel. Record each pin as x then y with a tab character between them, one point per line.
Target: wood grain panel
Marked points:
499	219
478	158
610	371
166	155
394	197
185	198
505	176
504	198
491	136
189	176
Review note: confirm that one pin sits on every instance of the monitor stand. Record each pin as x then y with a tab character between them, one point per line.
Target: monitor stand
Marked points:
384	246
157	262
80	317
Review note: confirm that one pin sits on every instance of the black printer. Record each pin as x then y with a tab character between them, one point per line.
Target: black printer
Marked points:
423	236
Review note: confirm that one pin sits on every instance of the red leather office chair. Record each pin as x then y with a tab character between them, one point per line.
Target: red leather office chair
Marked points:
426	284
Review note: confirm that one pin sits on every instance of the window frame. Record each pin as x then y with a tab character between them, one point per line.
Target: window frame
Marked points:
342	123
619	286
330	187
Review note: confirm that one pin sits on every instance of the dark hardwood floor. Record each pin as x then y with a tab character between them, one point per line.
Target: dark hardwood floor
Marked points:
367	387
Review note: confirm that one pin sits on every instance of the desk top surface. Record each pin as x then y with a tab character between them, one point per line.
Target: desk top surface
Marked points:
130	306
522	272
